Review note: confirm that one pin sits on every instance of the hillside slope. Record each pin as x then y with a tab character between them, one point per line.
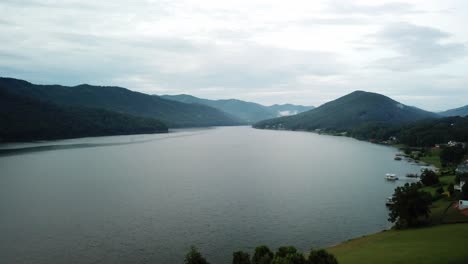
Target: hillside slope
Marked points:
174	114
350	111
25	119
461	111
440	244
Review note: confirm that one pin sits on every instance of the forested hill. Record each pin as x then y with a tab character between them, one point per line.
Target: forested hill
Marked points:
117	99
423	133
248	112
26	119
461	111
349	112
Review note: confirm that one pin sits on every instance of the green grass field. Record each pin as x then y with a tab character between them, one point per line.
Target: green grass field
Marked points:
440	242
446	244
433	157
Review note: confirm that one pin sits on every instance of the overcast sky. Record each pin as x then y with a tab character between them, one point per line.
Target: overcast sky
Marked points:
267	51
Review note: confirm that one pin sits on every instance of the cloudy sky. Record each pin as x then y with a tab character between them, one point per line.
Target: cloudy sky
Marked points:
267	51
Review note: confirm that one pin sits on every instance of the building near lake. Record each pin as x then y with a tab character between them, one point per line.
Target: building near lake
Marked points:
463	181
462	168
456	144
462	205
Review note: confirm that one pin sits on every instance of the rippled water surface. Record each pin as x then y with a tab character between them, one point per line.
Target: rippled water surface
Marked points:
147	198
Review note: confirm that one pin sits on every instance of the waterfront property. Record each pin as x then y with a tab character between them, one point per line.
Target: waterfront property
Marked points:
462	168
462	204
458	187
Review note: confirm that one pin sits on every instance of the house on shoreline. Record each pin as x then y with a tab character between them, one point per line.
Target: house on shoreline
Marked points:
462	205
462	170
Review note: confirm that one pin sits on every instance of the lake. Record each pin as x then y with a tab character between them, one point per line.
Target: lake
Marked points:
147	198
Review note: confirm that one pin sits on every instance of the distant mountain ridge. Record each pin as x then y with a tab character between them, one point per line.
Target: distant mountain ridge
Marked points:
460	111
350	111
121	100
248	112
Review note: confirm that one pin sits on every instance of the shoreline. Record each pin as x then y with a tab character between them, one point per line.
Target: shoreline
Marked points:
421	164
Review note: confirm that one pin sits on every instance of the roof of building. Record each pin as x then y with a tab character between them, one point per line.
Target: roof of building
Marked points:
463	168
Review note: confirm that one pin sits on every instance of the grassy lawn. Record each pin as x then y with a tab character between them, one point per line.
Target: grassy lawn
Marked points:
432	157
437	211
438	244
442	241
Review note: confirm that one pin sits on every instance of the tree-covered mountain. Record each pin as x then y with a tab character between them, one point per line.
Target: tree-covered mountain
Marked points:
117	99
461	111
26	119
246	111
348	112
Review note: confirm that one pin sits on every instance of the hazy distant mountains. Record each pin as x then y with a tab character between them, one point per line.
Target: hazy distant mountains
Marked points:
31	112
350	111
461	111
246	111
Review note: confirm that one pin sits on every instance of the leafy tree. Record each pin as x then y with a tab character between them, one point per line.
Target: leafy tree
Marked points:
285	250
194	257
240	257
288	255
321	257
452	155
267	259
262	255
429	177
294	258
409	205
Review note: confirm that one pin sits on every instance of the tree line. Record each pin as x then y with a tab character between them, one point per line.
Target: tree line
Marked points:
425	133
263	255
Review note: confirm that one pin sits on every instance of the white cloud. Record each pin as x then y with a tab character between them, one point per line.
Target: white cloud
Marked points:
417	47
268	51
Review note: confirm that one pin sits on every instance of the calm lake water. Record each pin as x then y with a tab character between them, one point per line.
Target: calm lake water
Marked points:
147	198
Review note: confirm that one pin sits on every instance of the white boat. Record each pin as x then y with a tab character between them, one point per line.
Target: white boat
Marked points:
389	201
391	177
